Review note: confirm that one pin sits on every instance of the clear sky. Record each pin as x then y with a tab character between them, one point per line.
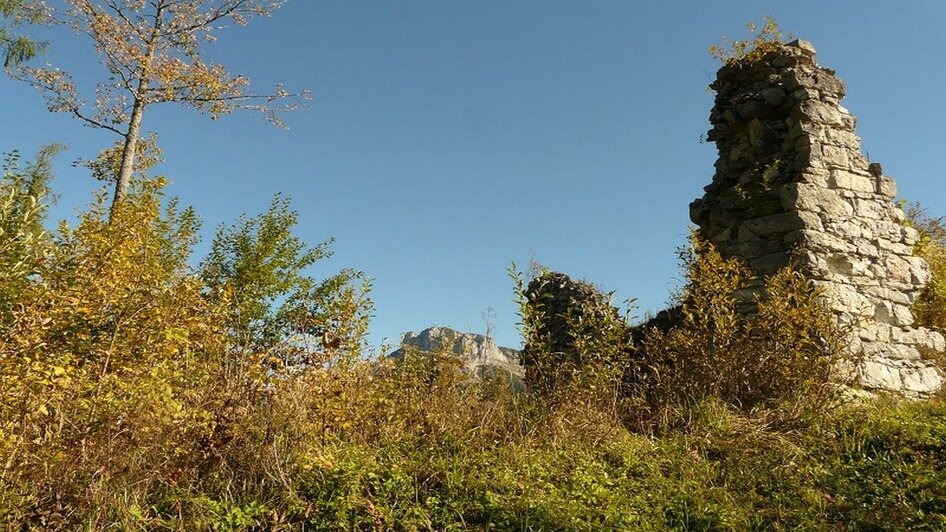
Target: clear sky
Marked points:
449	139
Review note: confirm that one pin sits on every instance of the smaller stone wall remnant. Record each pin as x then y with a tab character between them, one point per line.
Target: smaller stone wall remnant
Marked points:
563	308
564	301
791	186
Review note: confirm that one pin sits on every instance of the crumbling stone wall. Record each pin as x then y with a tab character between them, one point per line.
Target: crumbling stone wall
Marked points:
791	185
559	308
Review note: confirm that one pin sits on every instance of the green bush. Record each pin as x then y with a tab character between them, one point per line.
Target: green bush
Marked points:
930	306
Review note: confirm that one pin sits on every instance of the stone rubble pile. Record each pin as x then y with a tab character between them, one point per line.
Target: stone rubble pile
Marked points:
791	185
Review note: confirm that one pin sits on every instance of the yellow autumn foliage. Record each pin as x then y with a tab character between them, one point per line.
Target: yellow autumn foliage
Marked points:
97	354
766	39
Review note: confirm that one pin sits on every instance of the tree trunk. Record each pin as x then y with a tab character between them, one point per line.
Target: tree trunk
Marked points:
128	157
129	151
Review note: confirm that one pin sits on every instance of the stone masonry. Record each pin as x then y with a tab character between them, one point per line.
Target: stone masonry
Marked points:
791	186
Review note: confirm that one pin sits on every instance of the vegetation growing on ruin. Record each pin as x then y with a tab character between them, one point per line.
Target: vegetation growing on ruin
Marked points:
930	307
143	388
783	353
138	394
758	197
586	345
764	40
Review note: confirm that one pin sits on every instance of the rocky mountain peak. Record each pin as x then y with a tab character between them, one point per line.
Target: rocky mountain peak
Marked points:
479	353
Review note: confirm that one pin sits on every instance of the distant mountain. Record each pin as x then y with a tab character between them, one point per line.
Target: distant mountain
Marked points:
480	354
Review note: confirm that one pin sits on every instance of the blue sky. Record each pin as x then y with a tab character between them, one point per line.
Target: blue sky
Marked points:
449	139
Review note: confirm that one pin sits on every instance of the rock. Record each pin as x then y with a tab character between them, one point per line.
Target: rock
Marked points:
923	381
850	181
886	187
479	354
775	223
806	47
774	96
821	112
877	375
835	156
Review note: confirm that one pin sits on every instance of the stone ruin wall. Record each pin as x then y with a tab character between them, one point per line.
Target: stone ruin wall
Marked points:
791	185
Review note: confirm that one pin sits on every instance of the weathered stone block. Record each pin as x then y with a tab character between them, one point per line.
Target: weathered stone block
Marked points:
818	111
843	138
773	96
805	94
922	380
909	235
814	176
866	249
804	46
919	271
849	180
898	269
776	223
887	294
886	187
870	209
878	375
826	243
761	133
771	263
896	354
847	298
834	156
751	249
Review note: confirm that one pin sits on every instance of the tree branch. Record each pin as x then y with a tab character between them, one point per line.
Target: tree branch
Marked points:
95	123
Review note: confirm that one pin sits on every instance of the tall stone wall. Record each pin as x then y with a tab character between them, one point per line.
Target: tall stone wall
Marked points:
791	185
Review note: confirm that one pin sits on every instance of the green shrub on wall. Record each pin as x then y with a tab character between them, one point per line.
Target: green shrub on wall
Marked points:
930	307
767	39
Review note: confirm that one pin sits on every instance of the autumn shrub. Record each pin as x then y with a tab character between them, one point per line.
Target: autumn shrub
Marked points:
787	346
120	375
101	360
930	306
417	444
140	392
379	445
354	444
767	39
24	194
